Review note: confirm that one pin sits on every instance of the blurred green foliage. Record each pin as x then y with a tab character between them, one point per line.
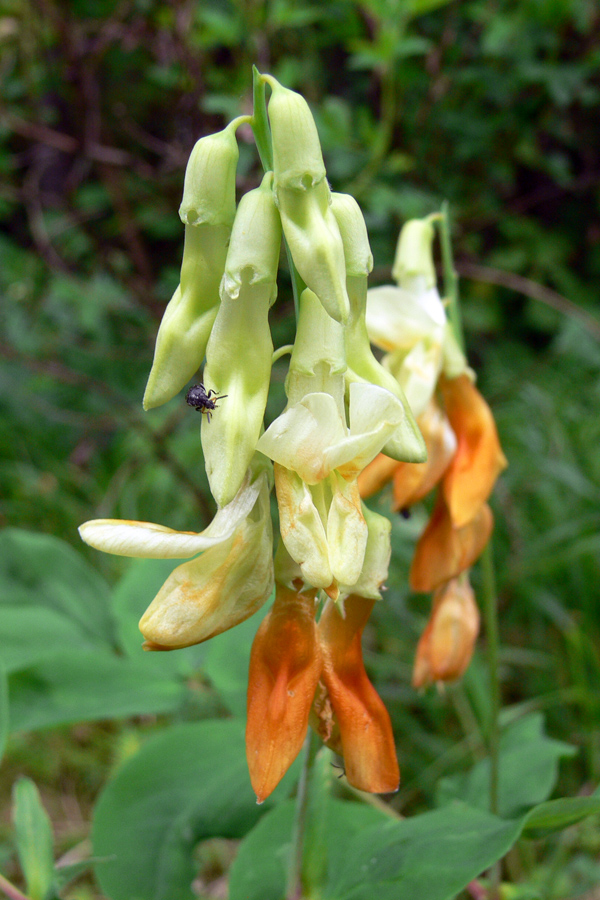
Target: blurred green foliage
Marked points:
492	106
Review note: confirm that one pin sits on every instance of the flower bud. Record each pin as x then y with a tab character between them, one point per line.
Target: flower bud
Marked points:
353	231
189	316
297	156
444	551
315	243
240	349
217	590
285	665
414	260
364	724
209	186
318	360
446	646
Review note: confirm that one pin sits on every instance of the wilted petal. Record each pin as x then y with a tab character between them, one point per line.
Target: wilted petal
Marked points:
285	665
443	551
479	459
413	481
446	646
302	529
146	540
397	319
216	591
367	740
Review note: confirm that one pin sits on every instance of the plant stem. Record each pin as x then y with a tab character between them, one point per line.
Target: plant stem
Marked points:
10	890
490	611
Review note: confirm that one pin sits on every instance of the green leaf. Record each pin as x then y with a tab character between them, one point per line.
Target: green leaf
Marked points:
4	709
33	835
259	870
185	785
30	633
83	685
528	770
41	570
558	814
434	855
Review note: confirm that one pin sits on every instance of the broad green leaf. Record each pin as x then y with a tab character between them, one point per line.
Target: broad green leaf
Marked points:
259	870
558	814
30	633
83	685
433	856
34	840
4	709
185	785
528	770
41	570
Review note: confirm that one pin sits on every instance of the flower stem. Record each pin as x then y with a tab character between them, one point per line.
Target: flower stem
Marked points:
450	276
308	863
490	611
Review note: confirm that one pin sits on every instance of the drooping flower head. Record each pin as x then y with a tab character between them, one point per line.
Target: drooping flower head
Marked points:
343	408
464	454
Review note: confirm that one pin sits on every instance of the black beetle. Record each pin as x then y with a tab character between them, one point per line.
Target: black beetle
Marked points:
201	401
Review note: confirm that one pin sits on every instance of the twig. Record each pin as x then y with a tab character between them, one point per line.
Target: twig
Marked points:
532	289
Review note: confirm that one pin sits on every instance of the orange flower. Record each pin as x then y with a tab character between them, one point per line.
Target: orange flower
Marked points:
470	477
446	646
365	738
285	665
444	551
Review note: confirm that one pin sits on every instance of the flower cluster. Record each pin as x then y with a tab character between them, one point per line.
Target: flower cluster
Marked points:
464	457
343	408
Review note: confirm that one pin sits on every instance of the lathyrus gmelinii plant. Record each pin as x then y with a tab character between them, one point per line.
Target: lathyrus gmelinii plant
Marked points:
343	408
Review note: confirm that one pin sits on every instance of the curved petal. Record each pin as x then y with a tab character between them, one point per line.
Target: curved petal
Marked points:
302	435
146	540
397	319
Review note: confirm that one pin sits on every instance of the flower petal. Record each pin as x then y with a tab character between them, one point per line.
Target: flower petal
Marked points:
443	551
302	530
397	319
479	458
365	729
446	646
146	540
413	481
285	665
347	533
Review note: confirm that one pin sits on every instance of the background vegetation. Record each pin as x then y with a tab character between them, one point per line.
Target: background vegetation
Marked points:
493	106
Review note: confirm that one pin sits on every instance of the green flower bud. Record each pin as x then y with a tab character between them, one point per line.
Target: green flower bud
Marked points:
189	316
315	243
353	230
297	157
239	352
209	186
413	253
